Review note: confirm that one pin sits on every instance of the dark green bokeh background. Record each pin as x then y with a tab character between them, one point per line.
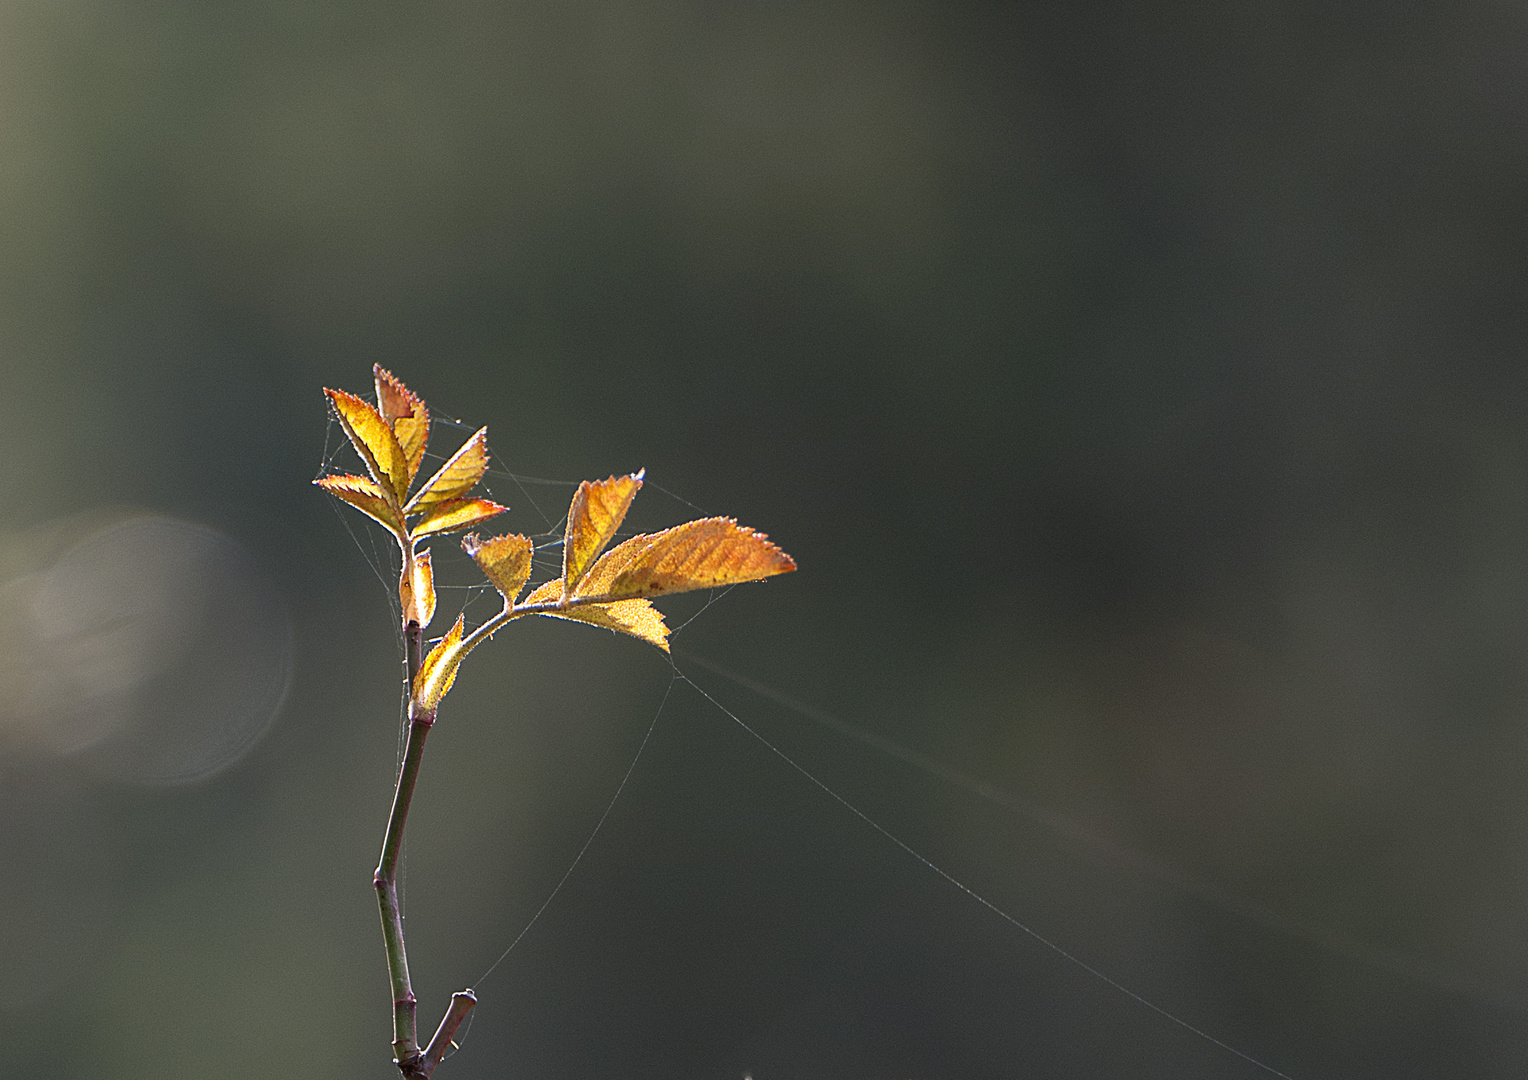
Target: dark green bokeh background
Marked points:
1141	388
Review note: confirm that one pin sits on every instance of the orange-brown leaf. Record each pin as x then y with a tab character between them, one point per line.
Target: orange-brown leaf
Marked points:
416	591
702	554
438	671
405	411
365	496
456	477
456	514
506	560
393	398
374	440
635	617
596	512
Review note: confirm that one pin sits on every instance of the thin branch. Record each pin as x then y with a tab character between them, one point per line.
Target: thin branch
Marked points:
486	631
385	879
406	1054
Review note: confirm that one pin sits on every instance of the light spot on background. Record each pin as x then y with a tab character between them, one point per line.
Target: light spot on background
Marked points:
156	651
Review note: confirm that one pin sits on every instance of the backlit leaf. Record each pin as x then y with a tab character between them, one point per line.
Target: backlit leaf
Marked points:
416	591
405	411
456	514
365	496
413	433
635	617
596	512
374	440
548	592
456	477
701	554
438	671
506	560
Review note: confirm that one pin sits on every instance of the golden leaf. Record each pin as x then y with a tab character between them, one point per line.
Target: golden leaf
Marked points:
702	554
365	496
416	591
596	512
635	617
413	433
456	477
505	559
456	514
405	411
374	440
438	671
545	593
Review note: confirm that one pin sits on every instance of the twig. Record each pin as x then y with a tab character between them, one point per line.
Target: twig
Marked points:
445	1035
406	1055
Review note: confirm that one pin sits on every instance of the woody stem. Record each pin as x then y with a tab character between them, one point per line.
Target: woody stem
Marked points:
413	1064
385	879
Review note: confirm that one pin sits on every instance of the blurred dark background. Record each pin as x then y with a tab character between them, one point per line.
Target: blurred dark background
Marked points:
1140	388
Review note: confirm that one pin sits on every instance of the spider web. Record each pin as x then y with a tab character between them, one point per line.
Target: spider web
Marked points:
461	588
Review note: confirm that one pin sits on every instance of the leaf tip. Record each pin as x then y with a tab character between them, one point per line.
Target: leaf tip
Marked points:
595	513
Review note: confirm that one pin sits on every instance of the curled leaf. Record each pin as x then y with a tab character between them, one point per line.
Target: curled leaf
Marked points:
702	554
416	591
594	515
365	496
456	477
405	411
374	440
506	560
438	671
456	514
635	617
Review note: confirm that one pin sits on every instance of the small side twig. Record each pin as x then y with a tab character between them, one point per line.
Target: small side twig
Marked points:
445	1036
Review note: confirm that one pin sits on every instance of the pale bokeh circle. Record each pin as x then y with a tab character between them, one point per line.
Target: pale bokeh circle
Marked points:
160	652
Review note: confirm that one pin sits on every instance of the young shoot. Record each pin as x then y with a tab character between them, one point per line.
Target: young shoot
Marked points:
604	588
